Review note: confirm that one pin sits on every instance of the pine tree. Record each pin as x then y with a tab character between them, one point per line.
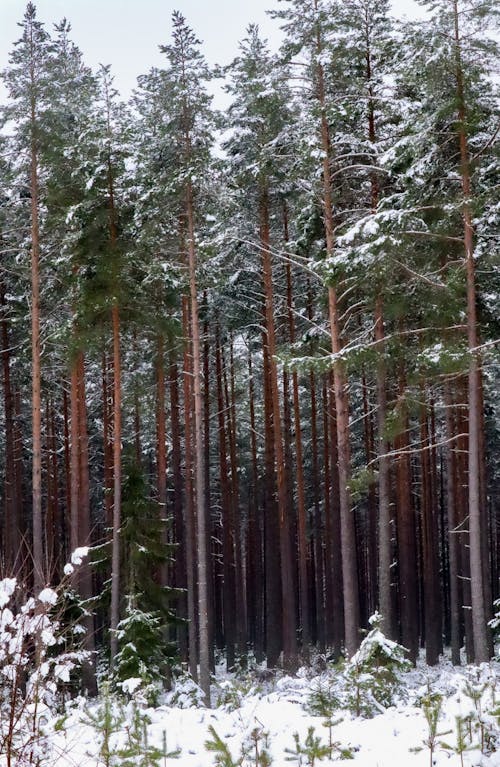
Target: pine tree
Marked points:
192	123
144	651
260	112
27	80
458	105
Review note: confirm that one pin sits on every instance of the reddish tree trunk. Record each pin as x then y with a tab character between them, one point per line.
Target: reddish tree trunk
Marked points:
190	524
229	594
287	590
407	542
12	521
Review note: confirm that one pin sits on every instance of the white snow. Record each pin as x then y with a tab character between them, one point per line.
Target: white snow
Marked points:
7	588
279	707
79	554
47	596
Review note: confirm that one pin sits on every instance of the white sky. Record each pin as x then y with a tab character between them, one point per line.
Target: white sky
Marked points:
127	33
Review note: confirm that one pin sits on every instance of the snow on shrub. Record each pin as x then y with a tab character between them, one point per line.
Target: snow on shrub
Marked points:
34	665
373	672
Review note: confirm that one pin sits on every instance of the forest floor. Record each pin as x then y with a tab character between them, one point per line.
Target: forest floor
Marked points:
454	710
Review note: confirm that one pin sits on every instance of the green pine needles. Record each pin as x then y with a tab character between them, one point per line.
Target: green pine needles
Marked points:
144	650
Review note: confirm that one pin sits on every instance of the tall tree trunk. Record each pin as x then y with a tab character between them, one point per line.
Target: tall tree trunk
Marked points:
235	500
462	498
272	552
299	468
39	565
407	543
348	533
477	514
177	502
161	428
255	570
384	484
190	523
117	430
117	484
337	571
430	562
107	442
12	521
208	503
287	590
455	596
67	473
229	593
201	512
50	531
367	542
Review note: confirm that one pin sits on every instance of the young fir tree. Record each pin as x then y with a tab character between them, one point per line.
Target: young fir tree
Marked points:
144	651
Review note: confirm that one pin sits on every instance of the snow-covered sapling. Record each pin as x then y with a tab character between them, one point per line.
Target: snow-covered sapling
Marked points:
476	687
255	750
186	693
324	701
137	751
373	672
166	754
431	704
35	665
461	744
223	756
106	719
308	752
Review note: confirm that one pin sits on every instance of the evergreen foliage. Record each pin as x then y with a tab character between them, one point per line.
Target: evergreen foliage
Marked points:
158	245
373	672
145	652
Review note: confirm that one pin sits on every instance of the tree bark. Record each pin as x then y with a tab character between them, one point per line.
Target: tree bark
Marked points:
190	522
229	585
477	514
287	590
348	535
201	512
39	565
12	521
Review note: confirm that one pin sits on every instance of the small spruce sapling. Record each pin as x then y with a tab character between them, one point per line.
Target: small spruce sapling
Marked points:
106	719
476	687
461	745
255	750
223	756
431	704
137	751
323	701
144	654
373	672
308	752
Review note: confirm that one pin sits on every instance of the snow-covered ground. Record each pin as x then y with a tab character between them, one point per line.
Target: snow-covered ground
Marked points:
280	706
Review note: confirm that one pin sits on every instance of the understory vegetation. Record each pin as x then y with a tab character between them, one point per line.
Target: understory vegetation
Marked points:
250	366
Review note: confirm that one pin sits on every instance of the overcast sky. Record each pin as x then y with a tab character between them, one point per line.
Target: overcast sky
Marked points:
127	33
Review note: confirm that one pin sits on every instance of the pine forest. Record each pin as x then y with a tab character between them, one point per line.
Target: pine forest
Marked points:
250	360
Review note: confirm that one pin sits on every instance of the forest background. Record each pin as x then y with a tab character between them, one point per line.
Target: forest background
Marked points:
250	357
